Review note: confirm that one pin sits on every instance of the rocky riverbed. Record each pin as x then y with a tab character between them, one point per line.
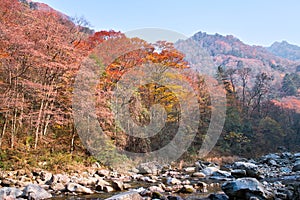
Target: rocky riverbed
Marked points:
273	176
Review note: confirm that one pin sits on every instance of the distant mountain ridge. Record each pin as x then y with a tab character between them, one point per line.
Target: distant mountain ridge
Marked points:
230	52
285	50
211	51
232	48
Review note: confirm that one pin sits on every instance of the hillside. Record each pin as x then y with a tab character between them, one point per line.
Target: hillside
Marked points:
41	51
235	56
37	55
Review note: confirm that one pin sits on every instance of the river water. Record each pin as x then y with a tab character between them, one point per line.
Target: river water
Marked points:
102	195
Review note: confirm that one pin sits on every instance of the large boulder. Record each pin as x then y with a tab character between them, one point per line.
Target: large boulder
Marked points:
250	168
61	178
101	185
246	188
149	168
296	168
36	192
10	192
103	173
297	155
156	189
47	177
57	187
118	185
74	187
131	195
271	156
173	181
208	171
238	173
221	175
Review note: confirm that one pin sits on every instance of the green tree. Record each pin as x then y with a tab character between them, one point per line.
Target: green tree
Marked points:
289	88
270	134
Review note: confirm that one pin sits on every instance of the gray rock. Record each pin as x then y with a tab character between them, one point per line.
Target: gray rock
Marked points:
285	169
61	178
189	169
87	181
10	192
75	187
126	186
281	195
147	179
150	168
250	168
173	181
187	189
238	173
297	155
208	171
297	161
173	173
47	177
103	173
286	155
36	192
271	156
221	173
156	189
218	197
199	175
117	185
131	195
58	187
272	162
173	188
23	184
174	198
101	184
186	182
296	168
8	182
108	189
244	188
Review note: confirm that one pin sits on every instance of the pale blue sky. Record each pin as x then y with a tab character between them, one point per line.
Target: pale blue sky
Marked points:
256	22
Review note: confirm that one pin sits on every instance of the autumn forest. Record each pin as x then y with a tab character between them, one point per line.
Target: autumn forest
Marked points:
42	51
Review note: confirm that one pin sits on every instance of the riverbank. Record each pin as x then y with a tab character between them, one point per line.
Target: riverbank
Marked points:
273	176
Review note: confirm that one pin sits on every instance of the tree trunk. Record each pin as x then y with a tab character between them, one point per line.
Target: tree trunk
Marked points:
3	130
38	124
